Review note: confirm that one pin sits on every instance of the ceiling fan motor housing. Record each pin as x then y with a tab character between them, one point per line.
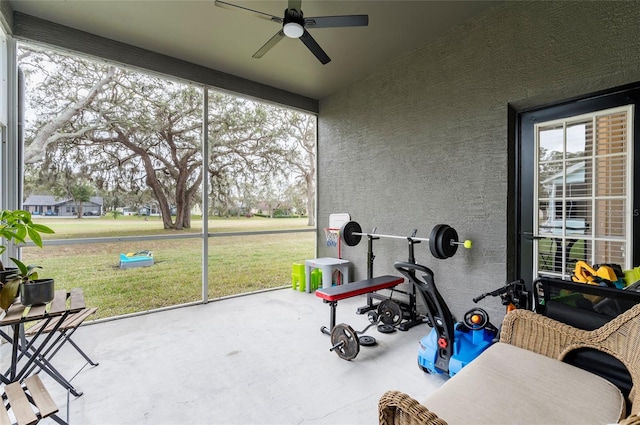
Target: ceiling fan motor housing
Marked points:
293	23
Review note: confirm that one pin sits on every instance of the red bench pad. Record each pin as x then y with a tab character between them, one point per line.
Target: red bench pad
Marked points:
348	290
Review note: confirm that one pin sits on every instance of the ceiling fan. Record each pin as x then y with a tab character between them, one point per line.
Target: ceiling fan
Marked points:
294	25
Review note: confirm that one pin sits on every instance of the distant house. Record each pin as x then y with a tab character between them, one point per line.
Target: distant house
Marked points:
150	210
53	206
576	205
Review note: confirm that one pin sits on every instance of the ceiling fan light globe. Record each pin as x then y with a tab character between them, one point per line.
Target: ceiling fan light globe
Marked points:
293	30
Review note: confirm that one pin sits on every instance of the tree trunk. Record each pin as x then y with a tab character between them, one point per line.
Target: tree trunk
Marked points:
311	213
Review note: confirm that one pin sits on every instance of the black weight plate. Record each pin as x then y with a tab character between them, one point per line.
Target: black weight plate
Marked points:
390	312
367	341
350	346
433	241
448	234
440	242
386	329
347	233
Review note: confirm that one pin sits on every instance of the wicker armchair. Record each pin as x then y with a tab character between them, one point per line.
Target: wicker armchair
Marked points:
534	332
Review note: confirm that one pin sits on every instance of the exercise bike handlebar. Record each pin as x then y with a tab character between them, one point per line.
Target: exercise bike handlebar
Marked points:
499	291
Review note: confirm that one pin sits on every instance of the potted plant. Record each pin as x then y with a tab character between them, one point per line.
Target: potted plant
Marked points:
33	291
17	226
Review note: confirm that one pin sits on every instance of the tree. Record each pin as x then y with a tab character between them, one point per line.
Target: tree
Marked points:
132	135
301	132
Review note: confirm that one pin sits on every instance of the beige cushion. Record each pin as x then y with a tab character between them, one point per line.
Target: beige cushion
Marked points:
510	385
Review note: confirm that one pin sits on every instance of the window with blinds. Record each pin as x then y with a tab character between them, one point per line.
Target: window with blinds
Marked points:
583	190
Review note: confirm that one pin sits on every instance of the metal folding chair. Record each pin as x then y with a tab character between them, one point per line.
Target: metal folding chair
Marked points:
66	329
27	403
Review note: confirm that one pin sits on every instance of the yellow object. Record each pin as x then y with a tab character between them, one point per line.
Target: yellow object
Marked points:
298	277
468	244
632	276
316	279
584	273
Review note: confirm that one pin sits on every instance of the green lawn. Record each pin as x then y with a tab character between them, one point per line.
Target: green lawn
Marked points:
94	227
546	254
237	264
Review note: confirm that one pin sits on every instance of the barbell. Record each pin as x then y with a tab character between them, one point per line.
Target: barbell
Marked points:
443	240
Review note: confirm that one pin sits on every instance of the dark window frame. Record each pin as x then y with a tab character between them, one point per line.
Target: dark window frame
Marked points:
522	158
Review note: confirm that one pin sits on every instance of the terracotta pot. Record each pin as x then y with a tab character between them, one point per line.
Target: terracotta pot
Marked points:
39	291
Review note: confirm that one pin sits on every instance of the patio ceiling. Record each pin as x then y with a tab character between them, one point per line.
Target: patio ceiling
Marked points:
197	31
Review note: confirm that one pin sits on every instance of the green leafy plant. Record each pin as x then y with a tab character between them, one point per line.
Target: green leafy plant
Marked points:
17	226
25	273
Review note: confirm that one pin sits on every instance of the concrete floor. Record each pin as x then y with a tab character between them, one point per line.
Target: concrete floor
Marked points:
256	359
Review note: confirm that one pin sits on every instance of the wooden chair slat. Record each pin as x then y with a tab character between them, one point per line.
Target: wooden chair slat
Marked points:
34	329
14	314
4	417
77	299
79	317
36	311
20	404
41	397
59	303
71	321
52	324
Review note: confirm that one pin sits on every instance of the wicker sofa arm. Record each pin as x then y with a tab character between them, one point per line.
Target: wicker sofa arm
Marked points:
397	408
620	338
631	420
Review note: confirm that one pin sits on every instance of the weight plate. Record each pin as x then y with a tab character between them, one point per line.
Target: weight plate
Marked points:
344	335
440	241
433	241
347	233
373	317
386	329
367	341
390	312
448	234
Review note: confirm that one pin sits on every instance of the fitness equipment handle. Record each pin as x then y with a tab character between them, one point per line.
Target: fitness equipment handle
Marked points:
338	345
404	267
499	291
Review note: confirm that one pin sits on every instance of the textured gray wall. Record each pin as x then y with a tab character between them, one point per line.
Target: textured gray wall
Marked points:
423	140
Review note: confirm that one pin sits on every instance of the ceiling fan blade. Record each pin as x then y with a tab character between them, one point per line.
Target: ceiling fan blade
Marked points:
262	15
295	4
337	21
269	44
314	47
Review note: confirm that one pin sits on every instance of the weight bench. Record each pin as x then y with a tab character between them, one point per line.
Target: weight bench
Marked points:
336	293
